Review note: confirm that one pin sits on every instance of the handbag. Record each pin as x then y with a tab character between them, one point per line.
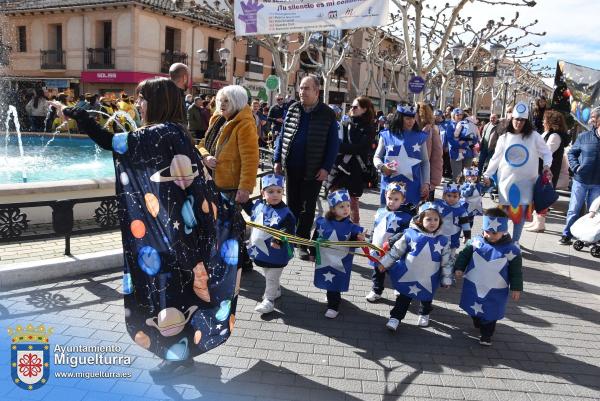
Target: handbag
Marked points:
544	194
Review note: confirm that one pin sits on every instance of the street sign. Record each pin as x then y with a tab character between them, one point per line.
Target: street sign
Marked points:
416	84
272	82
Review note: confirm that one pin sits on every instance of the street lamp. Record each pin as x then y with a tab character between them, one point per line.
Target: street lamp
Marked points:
211	68
496	52
509	79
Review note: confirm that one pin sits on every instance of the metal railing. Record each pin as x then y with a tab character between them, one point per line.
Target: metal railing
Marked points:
214	70
254	64
52	60
167	58
101	58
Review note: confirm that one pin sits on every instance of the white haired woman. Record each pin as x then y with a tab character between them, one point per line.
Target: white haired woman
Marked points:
230	148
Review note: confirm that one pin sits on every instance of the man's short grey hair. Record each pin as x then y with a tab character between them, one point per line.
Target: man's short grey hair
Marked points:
178	70
237	96
314	79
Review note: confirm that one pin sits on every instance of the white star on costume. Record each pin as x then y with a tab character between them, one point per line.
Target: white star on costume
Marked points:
332	257
271	181
219	326
414	289
329	276
394	225
390	148
321	231
404	163
274	219
416	147
420	269
253	252
176	225
510	255
493	224
258	237
456	220
448	226
338	197
477	308
486	274
473	204
438	247
413	245
379	232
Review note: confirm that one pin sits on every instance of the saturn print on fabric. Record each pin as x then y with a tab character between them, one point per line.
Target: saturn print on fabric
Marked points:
180	245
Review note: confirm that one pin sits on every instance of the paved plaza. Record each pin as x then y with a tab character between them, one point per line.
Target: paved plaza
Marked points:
548	347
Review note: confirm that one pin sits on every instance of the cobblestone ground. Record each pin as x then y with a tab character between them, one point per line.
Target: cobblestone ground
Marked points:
548	347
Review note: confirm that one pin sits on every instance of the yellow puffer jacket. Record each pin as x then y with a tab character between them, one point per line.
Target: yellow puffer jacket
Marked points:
236	152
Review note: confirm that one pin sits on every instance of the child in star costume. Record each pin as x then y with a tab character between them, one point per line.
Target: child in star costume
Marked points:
267	252
334	265
390	220
470	193
491	263
418	263
454	216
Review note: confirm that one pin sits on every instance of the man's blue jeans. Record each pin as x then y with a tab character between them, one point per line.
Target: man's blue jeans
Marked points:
580	193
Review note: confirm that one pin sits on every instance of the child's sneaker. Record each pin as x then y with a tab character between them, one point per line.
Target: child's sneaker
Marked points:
265	306
373	297
486	341
423	320
392	324
331	314
396	293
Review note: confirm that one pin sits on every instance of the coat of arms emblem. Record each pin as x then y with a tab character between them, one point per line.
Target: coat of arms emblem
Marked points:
30	356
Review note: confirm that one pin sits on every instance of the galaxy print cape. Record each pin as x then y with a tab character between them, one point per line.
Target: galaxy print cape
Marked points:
180	281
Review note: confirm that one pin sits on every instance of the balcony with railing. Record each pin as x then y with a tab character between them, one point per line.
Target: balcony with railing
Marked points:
254	64
213	70
101	59
52	59
167	58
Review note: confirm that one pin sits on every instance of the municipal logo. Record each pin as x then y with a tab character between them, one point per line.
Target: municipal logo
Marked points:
30	356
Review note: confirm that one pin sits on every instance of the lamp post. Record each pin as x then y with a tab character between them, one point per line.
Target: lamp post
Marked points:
210	68
509	80
497	53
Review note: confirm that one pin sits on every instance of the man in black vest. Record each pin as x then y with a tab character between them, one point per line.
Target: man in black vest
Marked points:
306	151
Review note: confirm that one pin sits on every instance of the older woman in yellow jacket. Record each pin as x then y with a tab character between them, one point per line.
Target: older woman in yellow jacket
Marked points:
230	147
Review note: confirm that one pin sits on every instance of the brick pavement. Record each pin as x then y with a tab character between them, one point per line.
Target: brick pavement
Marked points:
547	348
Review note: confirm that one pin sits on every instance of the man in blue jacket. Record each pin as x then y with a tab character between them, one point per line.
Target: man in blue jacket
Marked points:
306	150
584	160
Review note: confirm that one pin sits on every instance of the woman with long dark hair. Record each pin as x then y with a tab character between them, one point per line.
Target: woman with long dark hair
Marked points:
556	138
36	109
180	252
515	162
351	161
402	156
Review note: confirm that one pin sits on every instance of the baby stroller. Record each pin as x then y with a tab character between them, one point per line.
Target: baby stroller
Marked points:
586	231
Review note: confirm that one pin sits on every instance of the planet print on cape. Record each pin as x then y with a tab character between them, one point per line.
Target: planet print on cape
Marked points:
223	311
124	178
181	172
201	282
171	321
127	284
138	229
187	212
152	204
119	143
142	339
229	252
149	260
178	351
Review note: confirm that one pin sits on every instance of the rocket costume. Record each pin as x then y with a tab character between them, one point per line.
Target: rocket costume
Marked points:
490	268
333	270
418	263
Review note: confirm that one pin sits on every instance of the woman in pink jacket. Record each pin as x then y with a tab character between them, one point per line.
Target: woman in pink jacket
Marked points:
426	122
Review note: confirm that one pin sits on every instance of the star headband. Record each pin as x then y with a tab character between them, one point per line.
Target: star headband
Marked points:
407	110
272	180
457	111
395	187
337	197
495	224
427	206
451	187
470	172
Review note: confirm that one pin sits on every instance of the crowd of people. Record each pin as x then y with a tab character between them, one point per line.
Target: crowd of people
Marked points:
210	147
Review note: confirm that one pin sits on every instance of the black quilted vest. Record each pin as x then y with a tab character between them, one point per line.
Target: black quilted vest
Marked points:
320	119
